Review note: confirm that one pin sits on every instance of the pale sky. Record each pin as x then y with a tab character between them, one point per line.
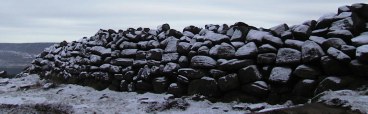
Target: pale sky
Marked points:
57	20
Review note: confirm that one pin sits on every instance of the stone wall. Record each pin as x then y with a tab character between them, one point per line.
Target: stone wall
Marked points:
237	62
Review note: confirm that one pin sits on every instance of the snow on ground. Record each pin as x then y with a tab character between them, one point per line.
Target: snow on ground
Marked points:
28	94
355	100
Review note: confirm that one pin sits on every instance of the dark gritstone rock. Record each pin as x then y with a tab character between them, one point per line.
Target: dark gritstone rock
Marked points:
295	44
301	32
249	50
122	62
233	64
362	53
333	67
176	90
349	50
288	56
307	72
266	58
258	89
222	51
191	73
280	75
305	88
338	55
249	74
311	52
358	68
205	86
3	74
330	83
279	29
274	41
333	42
155	54
267	48
160	84
228	82
170	57
203	62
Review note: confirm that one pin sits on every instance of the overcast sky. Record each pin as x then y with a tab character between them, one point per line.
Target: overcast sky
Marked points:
58	20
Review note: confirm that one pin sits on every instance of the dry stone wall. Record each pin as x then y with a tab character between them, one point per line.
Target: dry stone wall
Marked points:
237	62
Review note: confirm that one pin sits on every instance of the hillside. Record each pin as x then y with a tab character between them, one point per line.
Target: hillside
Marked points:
14	57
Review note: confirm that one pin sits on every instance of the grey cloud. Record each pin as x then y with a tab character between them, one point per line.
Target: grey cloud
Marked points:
54	21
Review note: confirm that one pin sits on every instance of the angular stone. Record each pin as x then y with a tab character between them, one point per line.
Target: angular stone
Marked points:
129	53
183	47
215	73
256	36
333	67
330	83
338	55
183	61
216	38
318	40
203	62
279	29
305	87
307	72
170	57
280	75
249	74
295	44
249	50
143	86
170	68
274	41
144	73
266	59
362	39
176	89
333	42
359	69
102	51
205	86
191	73
288	56
122	62
234	64
160	84
154	54
311	52
204	50
362	53
228	82
258	89
267	48
222	51
301	32
349	50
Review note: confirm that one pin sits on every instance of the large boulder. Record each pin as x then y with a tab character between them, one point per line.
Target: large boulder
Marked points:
205	86
228	82
333	42
176	89
288	56
249	50
170	57
305	88
170	68
203	62
249	74
362	53
267	48
102	51
224	50
154	54
129	53
280	75
311	52
256	36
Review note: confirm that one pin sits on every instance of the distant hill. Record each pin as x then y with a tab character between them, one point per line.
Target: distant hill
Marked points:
14	57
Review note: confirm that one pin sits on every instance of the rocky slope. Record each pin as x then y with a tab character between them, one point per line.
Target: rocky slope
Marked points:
221	62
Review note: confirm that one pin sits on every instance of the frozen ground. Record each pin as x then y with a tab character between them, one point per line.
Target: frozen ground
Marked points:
29	95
